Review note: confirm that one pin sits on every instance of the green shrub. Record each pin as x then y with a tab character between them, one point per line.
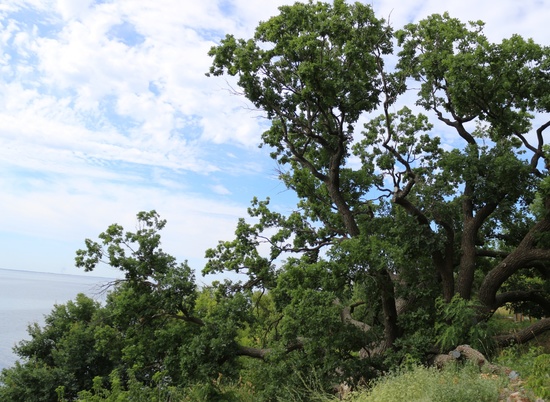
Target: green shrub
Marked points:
457	324
539	380
519	358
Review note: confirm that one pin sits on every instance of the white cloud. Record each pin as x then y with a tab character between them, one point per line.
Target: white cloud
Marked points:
70	9
220	189
70	210
502	20
105	110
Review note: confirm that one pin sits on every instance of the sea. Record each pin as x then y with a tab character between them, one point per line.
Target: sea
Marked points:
27	297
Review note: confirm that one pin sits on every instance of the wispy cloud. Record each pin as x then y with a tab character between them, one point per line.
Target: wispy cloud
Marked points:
220	189
105	110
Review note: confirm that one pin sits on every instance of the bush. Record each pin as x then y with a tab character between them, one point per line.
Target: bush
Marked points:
519	358
539	380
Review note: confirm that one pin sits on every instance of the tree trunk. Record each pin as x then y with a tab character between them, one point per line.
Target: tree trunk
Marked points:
467	268
391	329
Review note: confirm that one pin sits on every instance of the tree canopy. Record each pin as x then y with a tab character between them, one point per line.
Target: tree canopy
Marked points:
410	230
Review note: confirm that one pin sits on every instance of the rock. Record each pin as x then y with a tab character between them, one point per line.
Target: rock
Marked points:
513	375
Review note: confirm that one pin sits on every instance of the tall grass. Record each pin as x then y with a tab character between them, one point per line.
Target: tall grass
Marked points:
429	384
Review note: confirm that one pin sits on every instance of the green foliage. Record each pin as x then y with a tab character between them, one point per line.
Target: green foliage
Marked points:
539	380
532	365
458	325
529	280
134	390
63	353
460	57
331	52
34	382
520	357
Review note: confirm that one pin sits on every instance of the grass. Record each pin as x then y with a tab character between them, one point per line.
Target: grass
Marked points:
421	383
464	384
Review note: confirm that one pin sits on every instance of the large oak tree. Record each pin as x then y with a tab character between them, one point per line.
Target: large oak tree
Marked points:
450	206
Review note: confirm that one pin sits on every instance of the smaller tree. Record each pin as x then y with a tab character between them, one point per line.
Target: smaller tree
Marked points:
65	353
156	328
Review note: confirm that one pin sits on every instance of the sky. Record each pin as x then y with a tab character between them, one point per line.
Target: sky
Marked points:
105	111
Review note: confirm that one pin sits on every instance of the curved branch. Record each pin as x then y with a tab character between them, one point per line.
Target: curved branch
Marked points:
534	296
523	255
457	125
486	211
399	198
537	152
346	317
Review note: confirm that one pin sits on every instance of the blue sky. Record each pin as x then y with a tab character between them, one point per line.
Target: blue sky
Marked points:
105	110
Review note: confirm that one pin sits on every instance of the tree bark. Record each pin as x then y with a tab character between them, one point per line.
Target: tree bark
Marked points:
346	317
259	353
525	334
463	352
467	261
255	353
391	329
443	262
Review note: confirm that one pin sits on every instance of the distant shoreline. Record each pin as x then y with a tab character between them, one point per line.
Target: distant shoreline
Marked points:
83	275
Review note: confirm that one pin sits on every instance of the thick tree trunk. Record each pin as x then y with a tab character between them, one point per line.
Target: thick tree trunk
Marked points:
444	266
467	268
391	329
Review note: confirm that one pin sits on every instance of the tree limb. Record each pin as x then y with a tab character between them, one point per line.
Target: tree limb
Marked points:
534	296
525	334
255	353
259	353
346	317
492	253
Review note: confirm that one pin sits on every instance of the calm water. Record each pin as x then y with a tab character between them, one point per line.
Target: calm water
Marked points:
25	297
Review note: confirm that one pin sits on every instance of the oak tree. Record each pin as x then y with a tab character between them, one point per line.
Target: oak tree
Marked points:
417	212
